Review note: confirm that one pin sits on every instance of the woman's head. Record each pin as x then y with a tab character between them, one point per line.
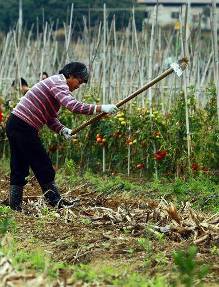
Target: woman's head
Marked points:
76	73
77	70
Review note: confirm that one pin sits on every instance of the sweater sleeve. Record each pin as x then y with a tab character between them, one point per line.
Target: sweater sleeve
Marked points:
62	94
55	125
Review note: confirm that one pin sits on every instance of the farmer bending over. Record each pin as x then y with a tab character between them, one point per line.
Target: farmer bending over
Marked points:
38	107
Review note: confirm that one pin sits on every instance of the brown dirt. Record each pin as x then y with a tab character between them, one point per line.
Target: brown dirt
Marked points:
104	229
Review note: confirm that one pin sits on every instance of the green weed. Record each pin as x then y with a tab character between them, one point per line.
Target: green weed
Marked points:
188	267
7	222
112	276
145	244
85	273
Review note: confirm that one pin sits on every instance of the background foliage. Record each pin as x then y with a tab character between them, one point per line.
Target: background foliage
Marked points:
53	10
156	142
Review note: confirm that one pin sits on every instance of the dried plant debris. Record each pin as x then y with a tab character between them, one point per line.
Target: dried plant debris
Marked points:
120	211
125	213
111	222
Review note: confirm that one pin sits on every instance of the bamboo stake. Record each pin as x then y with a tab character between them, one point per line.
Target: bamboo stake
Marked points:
150	63
43	51
104	159
116	59
20	21
104	55
137	51
17	46
69	33
150	74
207	66
185	84
124	65
216	55
129	152
4	53
89	38
104	75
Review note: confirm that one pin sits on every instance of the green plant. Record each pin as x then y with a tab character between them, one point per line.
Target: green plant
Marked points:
85	273
70	167
86	221
214	250
32	260
137	280
54	269
146	244
161	258
5	210
153	234
7	222
188	267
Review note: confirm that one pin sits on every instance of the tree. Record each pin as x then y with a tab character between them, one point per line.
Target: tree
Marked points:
52	10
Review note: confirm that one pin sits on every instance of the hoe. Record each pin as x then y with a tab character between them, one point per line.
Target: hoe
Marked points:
178	68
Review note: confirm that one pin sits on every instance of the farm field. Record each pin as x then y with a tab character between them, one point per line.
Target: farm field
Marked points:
120	233
145	181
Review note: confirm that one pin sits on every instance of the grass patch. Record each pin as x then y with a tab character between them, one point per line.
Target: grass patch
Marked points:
108	274
202	190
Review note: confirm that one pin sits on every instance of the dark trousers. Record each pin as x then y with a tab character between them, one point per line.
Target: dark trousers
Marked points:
27	151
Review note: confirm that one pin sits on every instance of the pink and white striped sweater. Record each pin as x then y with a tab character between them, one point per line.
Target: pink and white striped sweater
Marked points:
41	103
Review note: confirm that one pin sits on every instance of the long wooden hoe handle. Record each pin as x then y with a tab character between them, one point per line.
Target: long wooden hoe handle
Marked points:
182	64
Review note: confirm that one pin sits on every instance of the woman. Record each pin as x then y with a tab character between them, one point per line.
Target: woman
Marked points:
38	107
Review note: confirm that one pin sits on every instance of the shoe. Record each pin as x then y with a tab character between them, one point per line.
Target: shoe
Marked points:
51	193
16	197
53	197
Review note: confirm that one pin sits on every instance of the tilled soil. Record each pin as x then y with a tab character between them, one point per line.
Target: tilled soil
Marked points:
106	228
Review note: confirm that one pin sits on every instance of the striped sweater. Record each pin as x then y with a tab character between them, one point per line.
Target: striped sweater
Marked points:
41	103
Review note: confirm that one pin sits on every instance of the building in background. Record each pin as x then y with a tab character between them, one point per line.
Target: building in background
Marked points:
169	12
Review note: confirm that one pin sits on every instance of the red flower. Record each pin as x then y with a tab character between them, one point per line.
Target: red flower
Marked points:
1	117
160	154
195	166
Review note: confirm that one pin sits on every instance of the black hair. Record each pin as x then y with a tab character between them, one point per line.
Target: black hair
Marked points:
75	69
45	73
22	81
